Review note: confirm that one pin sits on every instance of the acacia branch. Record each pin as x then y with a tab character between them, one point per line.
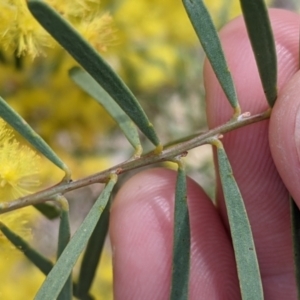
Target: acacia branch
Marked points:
169	153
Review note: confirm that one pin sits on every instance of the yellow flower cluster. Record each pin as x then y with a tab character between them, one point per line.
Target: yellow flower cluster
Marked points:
40	89
156	38
21	34
19	170
14	267
19	278
18	167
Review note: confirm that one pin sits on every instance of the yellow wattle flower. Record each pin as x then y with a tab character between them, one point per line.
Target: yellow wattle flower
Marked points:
21	34
18	167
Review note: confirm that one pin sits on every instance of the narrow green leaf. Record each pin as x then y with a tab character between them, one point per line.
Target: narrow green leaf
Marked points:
181	245
64	225
93	63
63	240
85	81
210	42
61	270
49	211
295	217
92	255
242	239
35	257
20	125
263	45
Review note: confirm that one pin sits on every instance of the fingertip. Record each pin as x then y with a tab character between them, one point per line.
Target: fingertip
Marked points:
141	231
284	135
265	196
138	225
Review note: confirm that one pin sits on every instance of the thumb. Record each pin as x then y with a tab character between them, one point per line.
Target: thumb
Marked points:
284	136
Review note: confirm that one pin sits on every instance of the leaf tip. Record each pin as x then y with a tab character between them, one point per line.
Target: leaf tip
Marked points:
236	112
217	143
138	151
68	173
158	150
113	177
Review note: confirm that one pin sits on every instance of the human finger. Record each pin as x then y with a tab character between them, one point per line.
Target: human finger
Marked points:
264	193
141	231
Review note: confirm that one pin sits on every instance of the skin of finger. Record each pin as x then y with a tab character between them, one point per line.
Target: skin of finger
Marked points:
284	135
141	229
265	196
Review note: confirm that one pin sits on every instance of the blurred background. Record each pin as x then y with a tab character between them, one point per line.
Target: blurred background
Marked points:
152	46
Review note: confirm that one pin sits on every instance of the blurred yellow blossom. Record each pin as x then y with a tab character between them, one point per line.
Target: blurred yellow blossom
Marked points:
18	167
150	42
148	31
155	37
20	33
20	279
40	89
99	32
19	222
74	9
102	285
14	267
19	170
